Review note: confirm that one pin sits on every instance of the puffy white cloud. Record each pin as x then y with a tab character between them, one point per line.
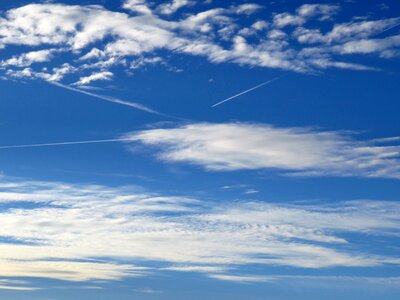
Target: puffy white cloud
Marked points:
286	19
26	59
95	39
301	151
277	34
138	6
259	25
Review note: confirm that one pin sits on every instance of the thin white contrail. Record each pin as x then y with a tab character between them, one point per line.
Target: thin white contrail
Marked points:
65	143
108	98
246	91
389	28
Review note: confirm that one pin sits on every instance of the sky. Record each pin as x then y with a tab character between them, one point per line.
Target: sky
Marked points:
199	149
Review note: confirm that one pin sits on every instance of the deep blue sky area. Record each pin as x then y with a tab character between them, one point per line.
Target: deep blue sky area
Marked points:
199	149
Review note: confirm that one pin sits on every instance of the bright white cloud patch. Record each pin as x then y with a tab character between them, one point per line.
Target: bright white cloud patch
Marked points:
302	151
173	6
81	232
138	6
26	59
96	40
94	77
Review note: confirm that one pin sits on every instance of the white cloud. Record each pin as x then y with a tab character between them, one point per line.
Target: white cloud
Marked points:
171	7
260	25
300	151
105	75
81	232
276	34
138	6
15	285
324	11
386	46
286	19
247	9
148	291
344	32
216	34
256	28
304	13
143	61
361	29
26	59
193	268
241	278
250	191
93	54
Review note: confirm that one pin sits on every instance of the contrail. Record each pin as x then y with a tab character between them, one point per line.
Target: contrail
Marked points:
389	28
246	91
109	99
65	143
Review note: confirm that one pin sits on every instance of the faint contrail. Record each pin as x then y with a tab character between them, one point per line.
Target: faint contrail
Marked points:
246	91
108	98
65	143
389	28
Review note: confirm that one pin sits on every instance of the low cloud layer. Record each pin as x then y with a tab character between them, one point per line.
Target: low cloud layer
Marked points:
294	151
85	232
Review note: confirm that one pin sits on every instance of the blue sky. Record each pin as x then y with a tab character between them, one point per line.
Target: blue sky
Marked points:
121	178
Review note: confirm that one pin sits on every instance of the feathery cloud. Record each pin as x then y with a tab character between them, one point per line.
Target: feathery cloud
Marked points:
80	232
296	151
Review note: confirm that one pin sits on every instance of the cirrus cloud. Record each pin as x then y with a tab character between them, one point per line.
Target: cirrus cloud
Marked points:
91	232
297	151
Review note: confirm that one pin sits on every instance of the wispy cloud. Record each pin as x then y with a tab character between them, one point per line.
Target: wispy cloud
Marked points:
241	278
80	232
109	98
16	285
294	151
148	291
173	6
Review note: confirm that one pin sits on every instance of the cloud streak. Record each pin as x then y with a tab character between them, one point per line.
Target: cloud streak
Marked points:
292	151
110	99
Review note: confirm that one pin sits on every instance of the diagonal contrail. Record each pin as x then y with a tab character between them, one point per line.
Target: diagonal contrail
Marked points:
109	99
246	91
389	28
65	143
